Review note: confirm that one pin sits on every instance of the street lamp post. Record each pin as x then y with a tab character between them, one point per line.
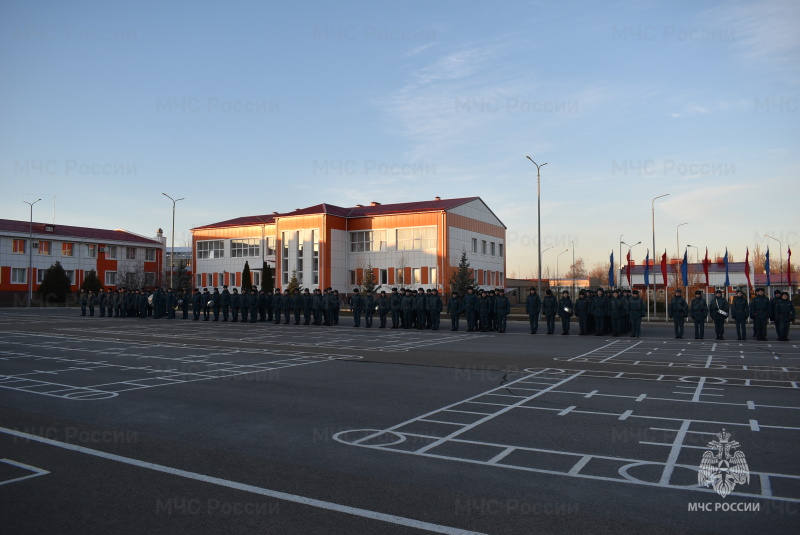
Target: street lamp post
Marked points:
696	253
558	276
30	253
626	260
540	277
780	249
619	260
653	225
172	254
573	270
678	239
539	215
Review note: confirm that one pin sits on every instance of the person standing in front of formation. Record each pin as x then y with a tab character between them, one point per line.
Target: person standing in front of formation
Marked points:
549	309
565	310
599	311
698	311
759	313
236	305
719	311
582	312
383	308
502	307
533	307
784	316
635	313
225	302
435	308
470	307
678	310
454	310
739	315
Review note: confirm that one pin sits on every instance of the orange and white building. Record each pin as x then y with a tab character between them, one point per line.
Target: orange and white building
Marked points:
414	244
120	258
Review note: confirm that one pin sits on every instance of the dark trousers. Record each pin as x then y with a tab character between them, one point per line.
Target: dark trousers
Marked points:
356	318
582	323
277	315
699	328
286	315
636	326
741	329
678	323
435	319
551	323
253	312
235	313
719	327
306	316
501	322
454	319
368	318
244	313
600	324
760	328
297	316
395	318
196	313
534	319
406	319
225	311
783	329
565	321
470	320
382	316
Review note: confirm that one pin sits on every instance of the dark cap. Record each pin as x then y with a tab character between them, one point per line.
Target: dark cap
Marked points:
698	292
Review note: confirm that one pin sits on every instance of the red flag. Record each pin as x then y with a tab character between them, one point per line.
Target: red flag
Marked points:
789	268
747	268
706	262
664	267
628	266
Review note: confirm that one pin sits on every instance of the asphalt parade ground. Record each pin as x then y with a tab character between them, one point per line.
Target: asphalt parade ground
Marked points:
116	425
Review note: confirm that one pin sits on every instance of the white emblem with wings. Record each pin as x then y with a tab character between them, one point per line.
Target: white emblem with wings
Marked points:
723	470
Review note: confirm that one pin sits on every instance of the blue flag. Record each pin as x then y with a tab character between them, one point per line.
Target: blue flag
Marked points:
766	266
727	280
611	271
685	269
647	269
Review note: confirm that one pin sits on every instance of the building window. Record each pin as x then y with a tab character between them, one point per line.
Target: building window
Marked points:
18	275
361	241
483	246
256	279
111	252
150	255
150	279
71	275
492	248
198	280
269	243
474	245
40	273
130	253
91	250
384	276
315	257
500	281
67	249
416	276
45	247
211	249
380	240
285	258
419	239
111	278
246	247
432	275
19	246
299	260
501	250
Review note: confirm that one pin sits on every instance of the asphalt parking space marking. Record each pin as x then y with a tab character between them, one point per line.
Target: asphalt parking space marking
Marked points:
12	468
294	498
490	428
75	378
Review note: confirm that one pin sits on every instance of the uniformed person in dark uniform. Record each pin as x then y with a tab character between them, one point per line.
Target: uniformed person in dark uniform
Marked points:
435	306
225	302
550	309
470	307
384	306
678	311
635	313
772	302
582	312
484	311
197	303
739	313
394	301
236	305
297	306
698	310
252	306
759	313
615	306
170	301
599	311
719	312
454	307
335	304
784	316
277	304
407	306
355	307
307	304
565	310
207	304
368	305
287	304
533	307
502	307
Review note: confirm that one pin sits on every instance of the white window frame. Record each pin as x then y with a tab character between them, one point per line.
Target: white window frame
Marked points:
130	253
45	248
71	276
416	239
111	252
416	275
475	245
210	249
67	248
149	255
16	243
17	273
245	247
111	278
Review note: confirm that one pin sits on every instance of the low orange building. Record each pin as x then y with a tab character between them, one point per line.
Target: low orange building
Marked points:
414	244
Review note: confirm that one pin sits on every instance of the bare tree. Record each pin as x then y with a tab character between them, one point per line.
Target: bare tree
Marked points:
577	270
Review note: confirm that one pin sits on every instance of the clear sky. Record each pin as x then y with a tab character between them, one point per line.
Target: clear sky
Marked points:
252	107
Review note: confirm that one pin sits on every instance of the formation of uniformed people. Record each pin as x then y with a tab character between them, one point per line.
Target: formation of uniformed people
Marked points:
615	313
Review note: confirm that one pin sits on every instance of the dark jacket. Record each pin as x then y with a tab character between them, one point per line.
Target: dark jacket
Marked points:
533	304
699	309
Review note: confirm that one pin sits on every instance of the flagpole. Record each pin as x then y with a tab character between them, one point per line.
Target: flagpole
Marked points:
653	226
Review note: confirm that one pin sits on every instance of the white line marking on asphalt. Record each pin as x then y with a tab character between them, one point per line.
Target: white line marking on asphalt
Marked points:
330	506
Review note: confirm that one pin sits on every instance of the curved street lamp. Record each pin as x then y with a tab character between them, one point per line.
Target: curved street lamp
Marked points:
653	224
172	254
539	215
30	254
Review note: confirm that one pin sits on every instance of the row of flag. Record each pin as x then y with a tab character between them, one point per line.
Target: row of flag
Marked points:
685	268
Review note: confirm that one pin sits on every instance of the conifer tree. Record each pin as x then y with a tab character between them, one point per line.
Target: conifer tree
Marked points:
463	277
294	285
91	282
369	279
55	285
247	281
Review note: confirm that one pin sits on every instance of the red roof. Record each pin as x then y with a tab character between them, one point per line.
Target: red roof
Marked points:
95	234
355	211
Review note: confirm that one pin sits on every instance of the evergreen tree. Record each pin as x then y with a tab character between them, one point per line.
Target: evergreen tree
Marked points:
267	279
369	279
463	277
294	284
247	281
181	277
55	284
91	282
